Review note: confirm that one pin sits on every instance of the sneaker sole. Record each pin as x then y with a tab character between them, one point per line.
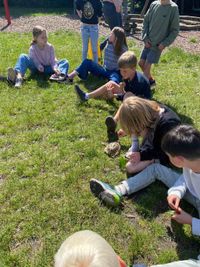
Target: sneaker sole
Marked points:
11	75
106	196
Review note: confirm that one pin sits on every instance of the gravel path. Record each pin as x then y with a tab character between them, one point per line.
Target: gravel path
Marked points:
189	41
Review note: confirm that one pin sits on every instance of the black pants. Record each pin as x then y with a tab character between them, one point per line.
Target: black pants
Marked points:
112	17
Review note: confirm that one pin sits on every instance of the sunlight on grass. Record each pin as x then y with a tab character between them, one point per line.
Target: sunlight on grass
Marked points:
51	146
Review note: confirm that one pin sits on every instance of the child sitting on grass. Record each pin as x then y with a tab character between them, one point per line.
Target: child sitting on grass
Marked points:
182	145
150	120
113	47
134	82
86	249
41	59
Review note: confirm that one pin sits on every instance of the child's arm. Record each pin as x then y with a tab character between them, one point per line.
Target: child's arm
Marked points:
53	62
117	4
185	218
176	192
79	12
103	44
145	27
173	28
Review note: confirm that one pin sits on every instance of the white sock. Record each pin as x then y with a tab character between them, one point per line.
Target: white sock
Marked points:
87	96
121	189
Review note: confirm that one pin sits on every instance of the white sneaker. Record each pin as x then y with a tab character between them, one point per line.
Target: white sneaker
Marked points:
11	76
18	82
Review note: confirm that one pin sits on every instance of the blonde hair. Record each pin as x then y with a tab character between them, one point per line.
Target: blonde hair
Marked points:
86	249
138	114
37	30
127	60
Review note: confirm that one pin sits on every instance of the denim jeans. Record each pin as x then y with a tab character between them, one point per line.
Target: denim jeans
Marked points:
90	32
94	68
159	172
112	17
187	263
24	62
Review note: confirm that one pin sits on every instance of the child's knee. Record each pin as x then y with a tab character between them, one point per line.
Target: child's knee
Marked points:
130	167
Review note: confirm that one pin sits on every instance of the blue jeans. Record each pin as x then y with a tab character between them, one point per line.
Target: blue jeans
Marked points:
113	18
159	172
90	66
90	32
187	263
24	62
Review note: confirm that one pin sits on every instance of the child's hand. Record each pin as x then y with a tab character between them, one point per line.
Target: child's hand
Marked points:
173	201
122	85
161	47
118	8
147	44
182	217
56	71
135	157
121	133
41	68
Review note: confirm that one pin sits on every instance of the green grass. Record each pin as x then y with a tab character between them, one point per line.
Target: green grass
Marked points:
51	146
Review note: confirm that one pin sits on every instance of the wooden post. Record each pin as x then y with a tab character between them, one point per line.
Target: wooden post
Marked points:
7	12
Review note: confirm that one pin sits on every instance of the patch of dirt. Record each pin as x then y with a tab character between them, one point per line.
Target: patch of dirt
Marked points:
189	41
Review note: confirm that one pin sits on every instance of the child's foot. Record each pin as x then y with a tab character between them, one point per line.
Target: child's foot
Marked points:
105	193
152	82
11	76
111	129
18	82
58	77
81	95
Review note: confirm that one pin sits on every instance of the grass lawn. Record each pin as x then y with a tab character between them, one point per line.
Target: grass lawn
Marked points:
51	146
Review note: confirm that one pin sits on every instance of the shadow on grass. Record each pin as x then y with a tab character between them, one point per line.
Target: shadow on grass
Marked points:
151	202
42	80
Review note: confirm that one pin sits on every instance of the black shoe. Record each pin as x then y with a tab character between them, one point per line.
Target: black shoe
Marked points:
152	83
81	95
111	129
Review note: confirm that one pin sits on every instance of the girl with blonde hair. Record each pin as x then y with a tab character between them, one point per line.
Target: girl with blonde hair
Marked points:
86	249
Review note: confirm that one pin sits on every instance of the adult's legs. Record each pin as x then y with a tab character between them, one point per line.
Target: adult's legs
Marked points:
94	34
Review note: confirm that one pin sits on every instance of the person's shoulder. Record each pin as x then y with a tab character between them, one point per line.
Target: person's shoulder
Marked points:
32	47
173	4
49	45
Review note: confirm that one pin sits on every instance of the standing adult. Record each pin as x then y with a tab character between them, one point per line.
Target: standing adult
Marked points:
112	12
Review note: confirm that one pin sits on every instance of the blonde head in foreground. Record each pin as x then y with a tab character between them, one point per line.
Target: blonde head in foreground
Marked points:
86	249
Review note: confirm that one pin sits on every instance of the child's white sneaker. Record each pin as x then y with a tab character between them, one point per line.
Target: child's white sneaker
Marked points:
11	75
18	82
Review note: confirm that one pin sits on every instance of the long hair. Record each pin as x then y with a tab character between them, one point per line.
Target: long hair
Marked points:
37	30
86	249
120	40
138	114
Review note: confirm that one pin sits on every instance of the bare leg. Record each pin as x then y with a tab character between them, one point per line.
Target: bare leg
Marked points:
107	90
134	168
141	63
73	74
147	70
